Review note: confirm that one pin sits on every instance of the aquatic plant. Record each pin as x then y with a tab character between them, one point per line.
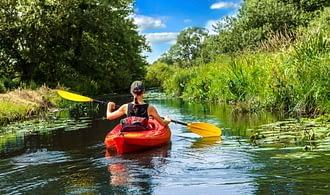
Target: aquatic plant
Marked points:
309	134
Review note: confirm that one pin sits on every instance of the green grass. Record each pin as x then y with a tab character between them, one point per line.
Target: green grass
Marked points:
293	78
23	104
12	110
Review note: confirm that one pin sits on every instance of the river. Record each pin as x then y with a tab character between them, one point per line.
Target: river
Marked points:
69	160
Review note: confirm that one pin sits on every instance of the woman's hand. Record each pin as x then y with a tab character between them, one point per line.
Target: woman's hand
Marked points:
113	112
167	120
111	106
153	113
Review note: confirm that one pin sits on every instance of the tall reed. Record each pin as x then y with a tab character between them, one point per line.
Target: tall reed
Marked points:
293	77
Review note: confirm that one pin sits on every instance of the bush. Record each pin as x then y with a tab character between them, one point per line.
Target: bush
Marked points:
157	73
2	87
176	84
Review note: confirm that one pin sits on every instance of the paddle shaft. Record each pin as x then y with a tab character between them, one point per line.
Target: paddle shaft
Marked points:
179	122
100	102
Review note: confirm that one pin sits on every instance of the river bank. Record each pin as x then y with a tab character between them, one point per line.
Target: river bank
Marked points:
291	76
22	104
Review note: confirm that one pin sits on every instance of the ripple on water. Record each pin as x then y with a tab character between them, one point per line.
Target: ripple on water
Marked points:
41	157
31	171
207	165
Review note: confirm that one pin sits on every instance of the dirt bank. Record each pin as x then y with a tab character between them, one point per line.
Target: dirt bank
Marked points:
26	103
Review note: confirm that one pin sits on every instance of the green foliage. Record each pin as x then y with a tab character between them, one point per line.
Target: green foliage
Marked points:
157	73
238	84
310	55
271	15
2	87
187	47
293	80
258	21
7	84
308	6
235	65
239	79
301	82
11	111
87	45
198	89
176	84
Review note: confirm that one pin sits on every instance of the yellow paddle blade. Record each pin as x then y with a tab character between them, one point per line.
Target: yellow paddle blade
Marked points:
204	129
73	96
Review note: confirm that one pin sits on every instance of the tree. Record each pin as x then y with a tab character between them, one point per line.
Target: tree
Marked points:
257	21
187	47
85	44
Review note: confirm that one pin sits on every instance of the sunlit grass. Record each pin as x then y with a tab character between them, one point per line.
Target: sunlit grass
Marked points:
10	110
293	79
24	103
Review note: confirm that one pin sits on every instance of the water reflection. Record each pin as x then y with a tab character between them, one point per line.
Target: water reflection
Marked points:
206	142
221	115
119	174
137	170
79	182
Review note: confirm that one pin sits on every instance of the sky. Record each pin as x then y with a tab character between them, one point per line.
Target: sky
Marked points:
160	21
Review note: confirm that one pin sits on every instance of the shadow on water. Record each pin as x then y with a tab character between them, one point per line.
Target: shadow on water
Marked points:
52	139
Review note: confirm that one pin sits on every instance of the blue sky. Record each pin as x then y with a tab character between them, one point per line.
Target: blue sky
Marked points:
162	20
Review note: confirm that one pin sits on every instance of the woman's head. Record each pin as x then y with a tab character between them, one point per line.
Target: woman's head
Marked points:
137	88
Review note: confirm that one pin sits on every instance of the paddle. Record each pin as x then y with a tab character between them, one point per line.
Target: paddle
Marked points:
200	128
77	98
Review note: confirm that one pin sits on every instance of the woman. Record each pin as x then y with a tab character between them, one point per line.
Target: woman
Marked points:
136	108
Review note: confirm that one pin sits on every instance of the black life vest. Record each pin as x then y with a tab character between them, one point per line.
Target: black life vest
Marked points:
141	110
136	120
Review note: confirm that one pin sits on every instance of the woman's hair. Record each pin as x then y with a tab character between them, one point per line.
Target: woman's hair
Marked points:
137	88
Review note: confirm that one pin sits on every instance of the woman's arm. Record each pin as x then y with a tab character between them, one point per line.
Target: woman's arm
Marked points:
117	113
152	111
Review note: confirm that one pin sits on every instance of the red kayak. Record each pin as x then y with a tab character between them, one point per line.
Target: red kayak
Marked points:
137	139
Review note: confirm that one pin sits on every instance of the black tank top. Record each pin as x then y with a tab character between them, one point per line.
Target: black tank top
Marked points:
141	110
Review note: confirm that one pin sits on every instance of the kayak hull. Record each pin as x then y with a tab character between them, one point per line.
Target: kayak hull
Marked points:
137	140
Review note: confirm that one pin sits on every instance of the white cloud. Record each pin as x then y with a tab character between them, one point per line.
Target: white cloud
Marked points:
163	37
187	21
225	5
146	22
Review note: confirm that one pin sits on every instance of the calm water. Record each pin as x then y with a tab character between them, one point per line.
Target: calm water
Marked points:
72	160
